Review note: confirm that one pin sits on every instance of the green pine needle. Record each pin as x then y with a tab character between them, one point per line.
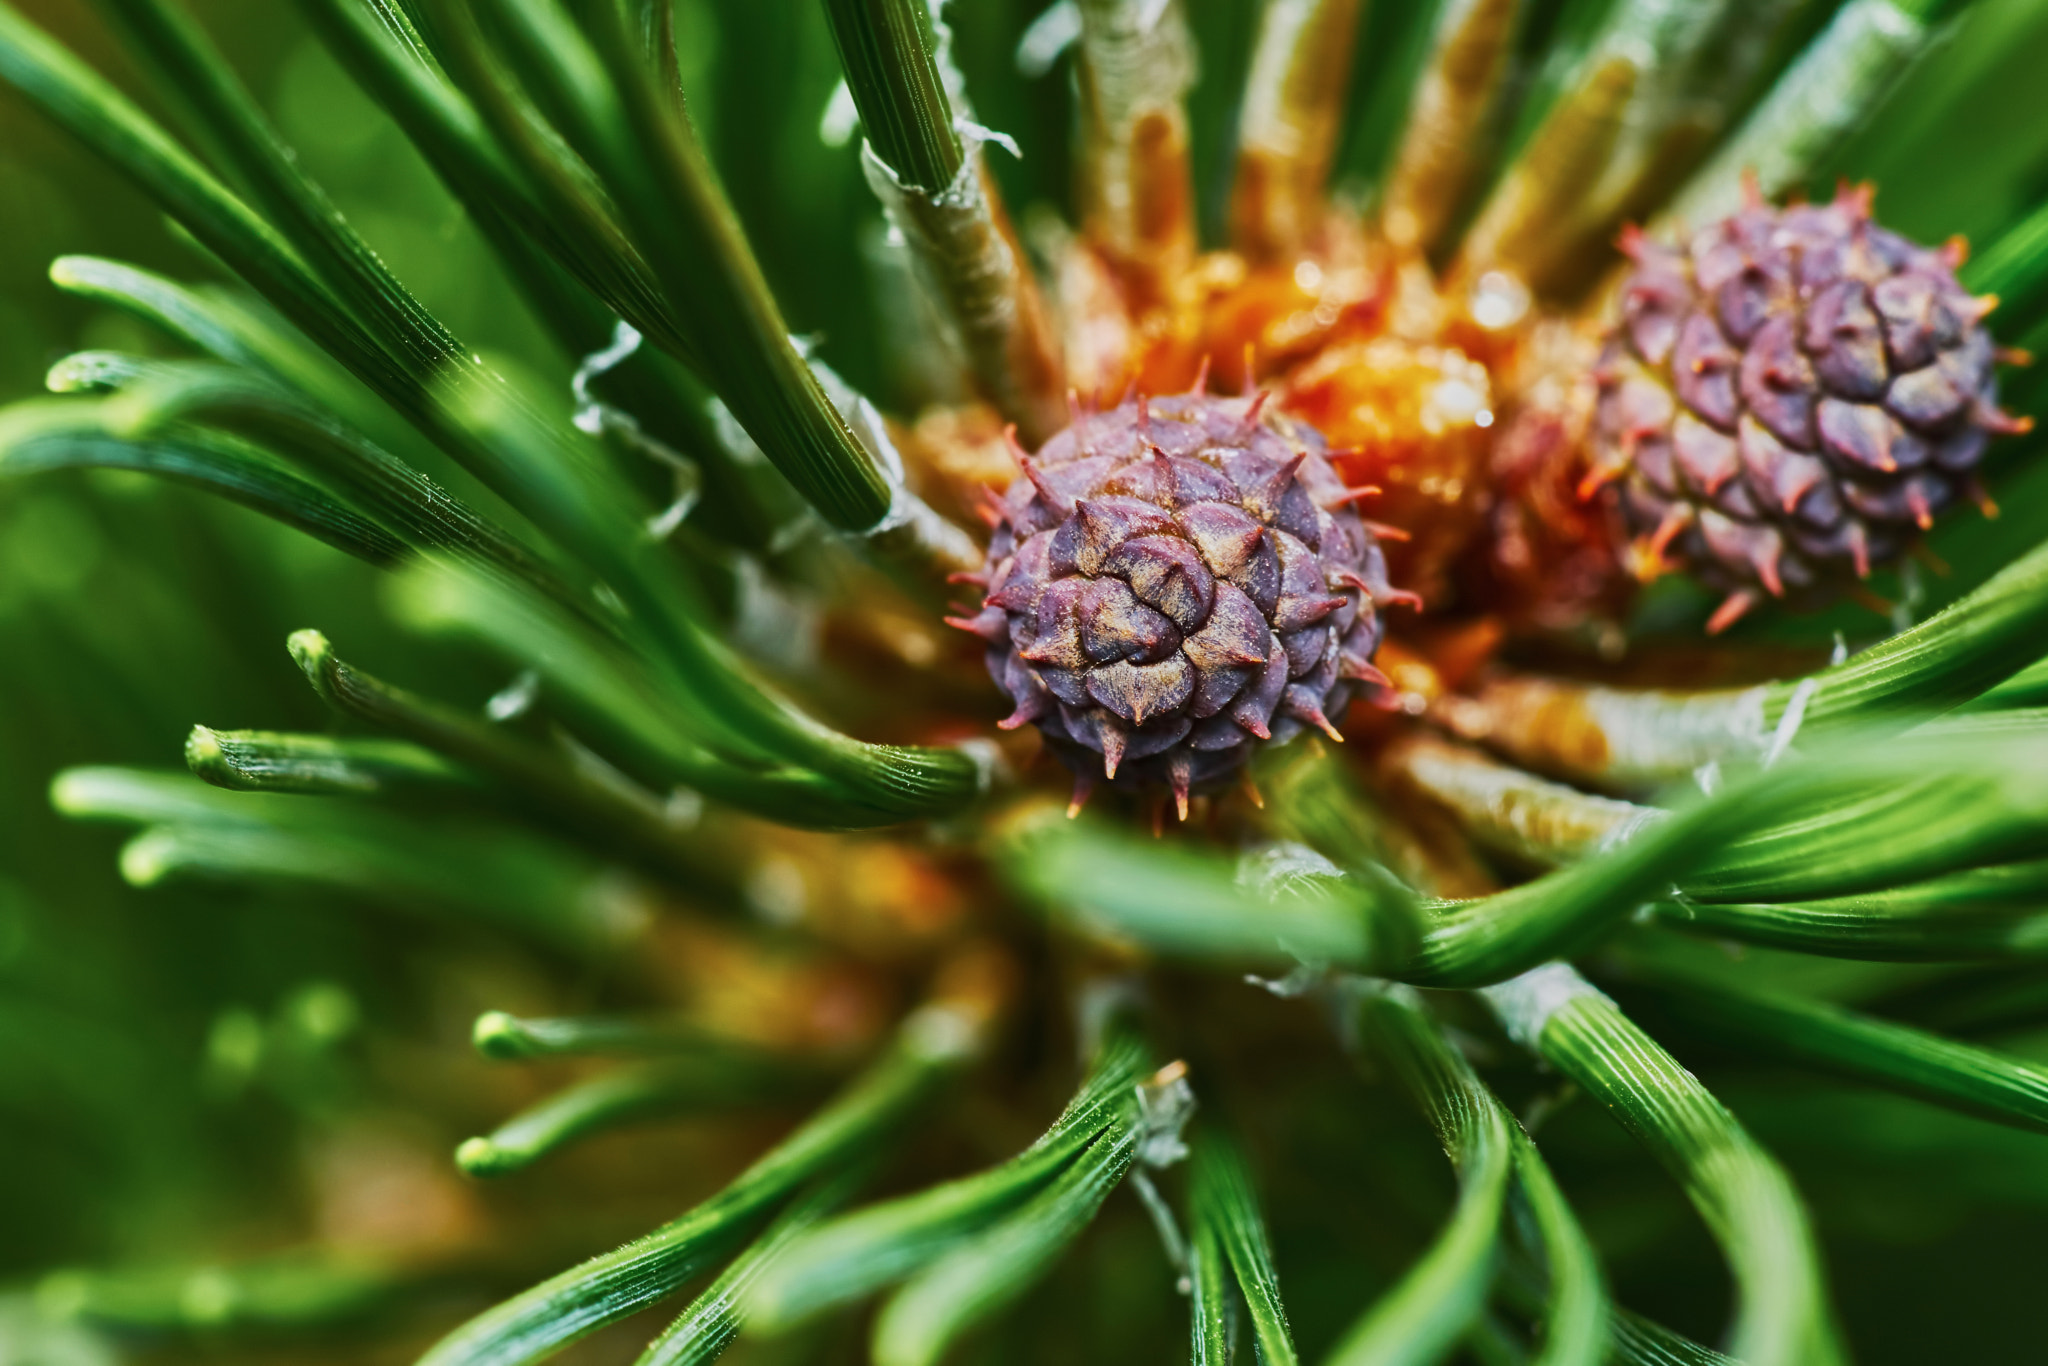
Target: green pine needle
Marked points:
1847	1043
540	1321
859	1253
886	49
322	765
1782	1316
1441	1296
627	1095
987	1271
1226	1213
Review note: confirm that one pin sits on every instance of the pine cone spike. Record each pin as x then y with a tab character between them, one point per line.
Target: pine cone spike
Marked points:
1732	609
1181	772
1790	399
1175	581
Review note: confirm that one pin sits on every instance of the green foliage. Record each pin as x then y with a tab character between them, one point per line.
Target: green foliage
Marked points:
1226	1220
1782	1314
851	1129
1974	1080
859	1253
1442	1294
714	1318
886	48
607	1101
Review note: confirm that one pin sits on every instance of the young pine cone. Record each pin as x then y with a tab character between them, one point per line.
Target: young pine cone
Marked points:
1790	401
1174	582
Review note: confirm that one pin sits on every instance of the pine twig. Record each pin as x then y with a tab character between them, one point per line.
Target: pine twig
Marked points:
935	186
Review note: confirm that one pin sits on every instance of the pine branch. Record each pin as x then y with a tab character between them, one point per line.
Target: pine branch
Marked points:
937	192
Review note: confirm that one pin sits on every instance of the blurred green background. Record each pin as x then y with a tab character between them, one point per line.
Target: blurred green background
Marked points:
188	1075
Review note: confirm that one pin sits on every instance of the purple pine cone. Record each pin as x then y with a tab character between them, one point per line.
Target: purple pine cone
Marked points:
1175	582
1790	400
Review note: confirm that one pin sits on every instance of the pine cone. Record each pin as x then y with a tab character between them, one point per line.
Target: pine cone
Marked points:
1787	404
1174	582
